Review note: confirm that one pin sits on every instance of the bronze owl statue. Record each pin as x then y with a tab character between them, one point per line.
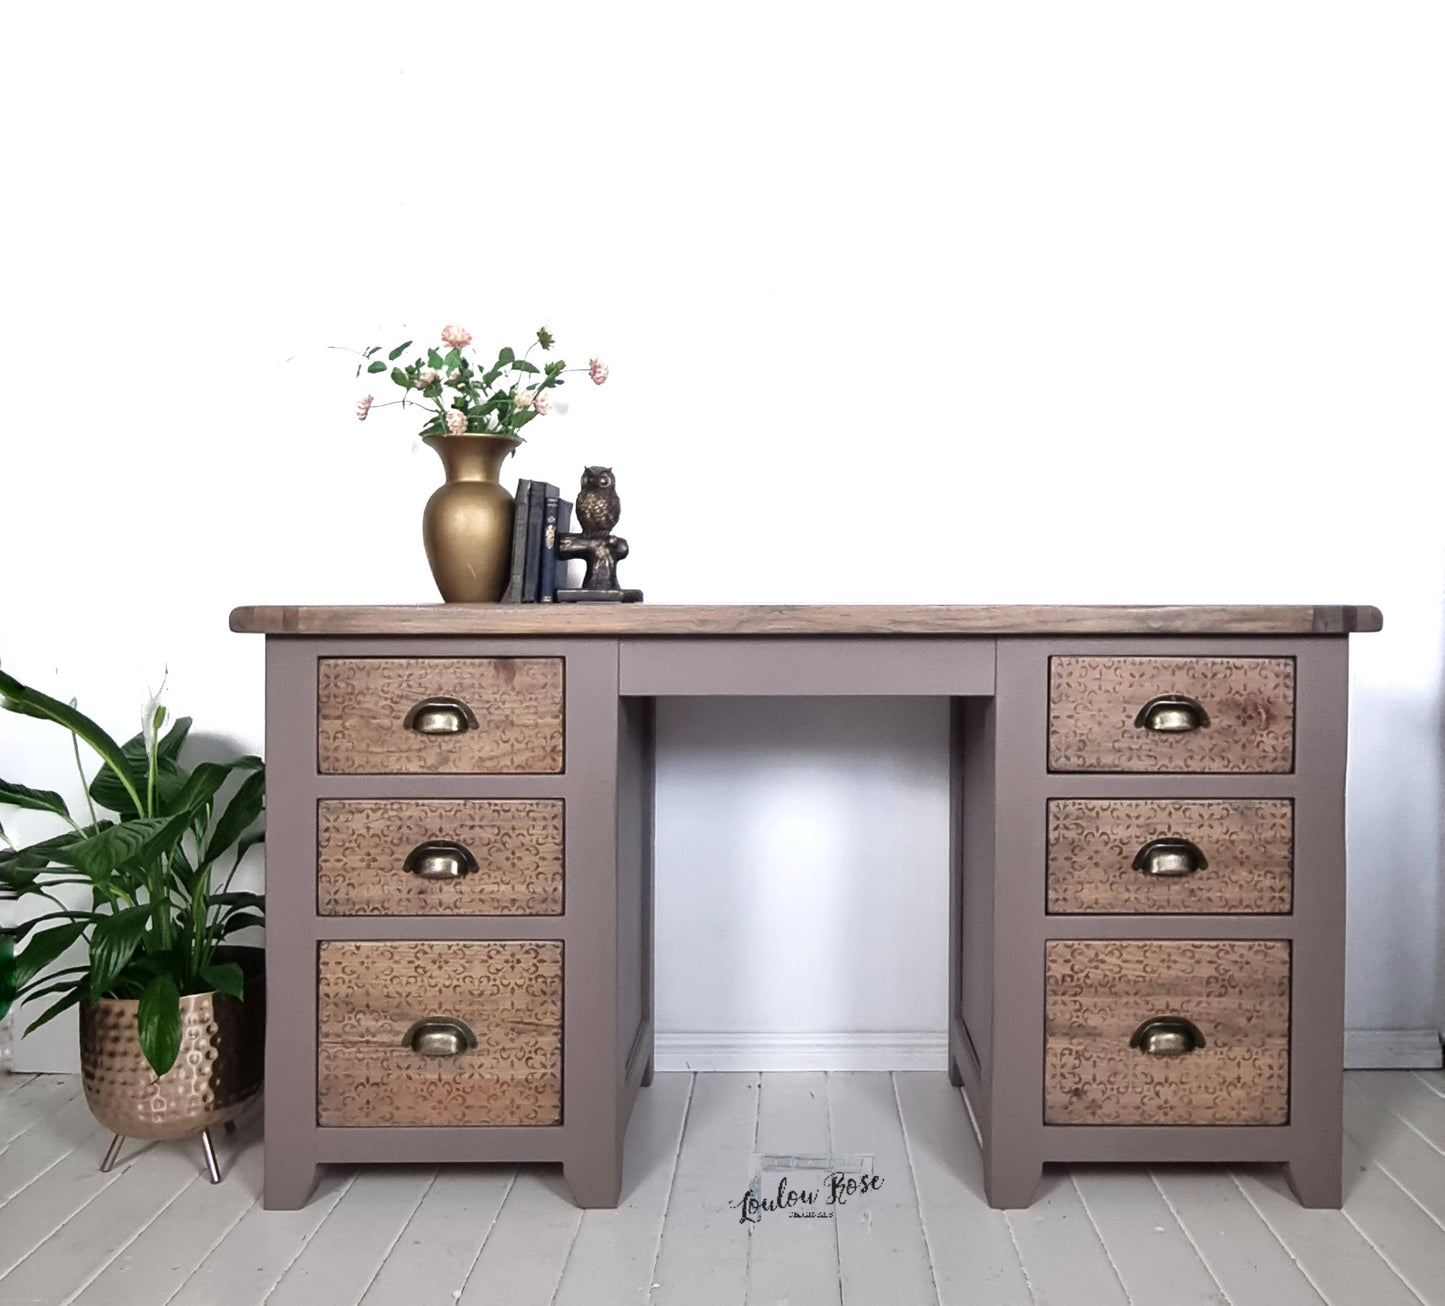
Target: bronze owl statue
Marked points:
598	506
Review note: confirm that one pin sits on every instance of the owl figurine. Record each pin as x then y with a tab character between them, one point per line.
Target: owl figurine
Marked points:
598	506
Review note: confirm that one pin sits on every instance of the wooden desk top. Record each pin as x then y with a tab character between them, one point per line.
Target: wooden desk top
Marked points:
650	619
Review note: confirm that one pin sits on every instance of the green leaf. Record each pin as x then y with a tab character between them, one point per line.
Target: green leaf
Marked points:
17	933
159	1023
32	800
399	350
114	943
44	948
505	357
68	1001
225	977
433	359
453	358
131	841
237	898
15	697
521	419
376	366
240	921
246	805
522	365
206	780
367	353
170	744
400	378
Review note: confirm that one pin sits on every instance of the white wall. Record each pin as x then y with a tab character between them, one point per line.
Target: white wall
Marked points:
934	303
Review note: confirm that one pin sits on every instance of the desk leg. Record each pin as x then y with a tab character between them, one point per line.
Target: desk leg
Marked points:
595	1176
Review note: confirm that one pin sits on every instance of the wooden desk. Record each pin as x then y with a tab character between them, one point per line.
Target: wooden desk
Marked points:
1147	826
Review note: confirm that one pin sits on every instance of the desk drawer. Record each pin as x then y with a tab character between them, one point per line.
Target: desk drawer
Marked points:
1179	714
466	857
470	716
1135	855
1099	994
502	1065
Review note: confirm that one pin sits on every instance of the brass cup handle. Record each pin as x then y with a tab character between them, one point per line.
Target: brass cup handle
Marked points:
441	716
1168	858
440	859
1167	1036
440	1036
1172	714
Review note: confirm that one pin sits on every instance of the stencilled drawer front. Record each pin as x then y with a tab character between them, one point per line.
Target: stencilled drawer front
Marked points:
464	857
1189	857
1171	714
469	716
1166	1032
428	1033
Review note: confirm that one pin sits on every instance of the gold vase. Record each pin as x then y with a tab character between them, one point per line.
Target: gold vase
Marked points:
467	525
217	1072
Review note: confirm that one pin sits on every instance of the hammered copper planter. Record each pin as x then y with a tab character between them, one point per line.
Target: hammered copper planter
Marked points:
217	1072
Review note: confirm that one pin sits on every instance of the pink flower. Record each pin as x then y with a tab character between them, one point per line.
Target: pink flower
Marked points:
427	377
363	406
597	370
542	402
457	337
454	376
457	422
521	398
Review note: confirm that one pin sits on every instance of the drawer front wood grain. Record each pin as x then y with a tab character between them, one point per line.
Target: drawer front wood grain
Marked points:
363	703
509	994
1246	845
1094	703
515	846
1099	992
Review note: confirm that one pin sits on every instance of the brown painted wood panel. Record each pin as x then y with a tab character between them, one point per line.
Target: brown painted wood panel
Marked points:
362	847
1093	703
370	994
362	705
1098	992
1247	844
642	619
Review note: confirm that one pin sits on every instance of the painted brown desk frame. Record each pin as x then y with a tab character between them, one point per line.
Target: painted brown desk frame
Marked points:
992	665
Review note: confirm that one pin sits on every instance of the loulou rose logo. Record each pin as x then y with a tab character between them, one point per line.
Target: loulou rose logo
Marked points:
828	1183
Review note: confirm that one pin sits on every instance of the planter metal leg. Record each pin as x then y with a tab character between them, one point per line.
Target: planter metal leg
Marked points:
112	1152
212	1168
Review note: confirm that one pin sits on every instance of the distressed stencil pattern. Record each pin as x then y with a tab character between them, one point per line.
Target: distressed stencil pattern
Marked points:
1247	843
362	704
1098	992
508	993
363	845
1093	702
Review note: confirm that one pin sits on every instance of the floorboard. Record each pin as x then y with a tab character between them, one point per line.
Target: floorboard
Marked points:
521	1261
613	1257
1400	1231
32	1099
703	1256
882	1253
970	1245
1063	1256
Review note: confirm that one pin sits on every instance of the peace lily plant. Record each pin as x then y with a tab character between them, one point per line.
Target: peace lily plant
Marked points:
149	866
466	396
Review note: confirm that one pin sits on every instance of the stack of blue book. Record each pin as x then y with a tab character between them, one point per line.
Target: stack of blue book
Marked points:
541	516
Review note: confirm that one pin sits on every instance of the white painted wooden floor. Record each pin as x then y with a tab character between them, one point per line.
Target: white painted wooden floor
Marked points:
154	1232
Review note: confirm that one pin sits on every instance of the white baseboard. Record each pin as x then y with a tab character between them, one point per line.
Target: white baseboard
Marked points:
705	1050
1392	1049
1365	1049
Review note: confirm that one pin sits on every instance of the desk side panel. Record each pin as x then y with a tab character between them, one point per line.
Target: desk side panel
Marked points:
971	898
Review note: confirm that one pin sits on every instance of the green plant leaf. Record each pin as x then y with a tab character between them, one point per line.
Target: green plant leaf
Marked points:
114	943
241	920
130	841
17	933
205	781
376	366
44	948
433	359
505	357
522	365
453	359
68	1001
399	350
237	898
32	800
15	697
171	741
246	805
400	378
158	1020
225	977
